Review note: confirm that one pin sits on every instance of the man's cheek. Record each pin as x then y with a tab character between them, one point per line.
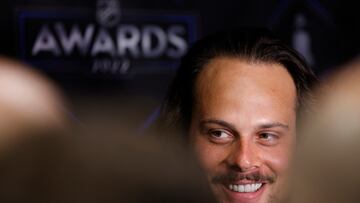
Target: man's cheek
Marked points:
204	154
210	156
277	162
279	157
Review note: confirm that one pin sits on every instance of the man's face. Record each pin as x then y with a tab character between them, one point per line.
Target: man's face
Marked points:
243	128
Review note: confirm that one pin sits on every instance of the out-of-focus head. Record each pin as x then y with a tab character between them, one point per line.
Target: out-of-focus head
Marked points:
328	161
95	167
28	101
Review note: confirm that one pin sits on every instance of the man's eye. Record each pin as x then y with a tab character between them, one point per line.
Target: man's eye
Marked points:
220	136
268	138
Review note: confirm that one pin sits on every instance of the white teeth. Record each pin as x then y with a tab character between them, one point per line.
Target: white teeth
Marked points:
245	188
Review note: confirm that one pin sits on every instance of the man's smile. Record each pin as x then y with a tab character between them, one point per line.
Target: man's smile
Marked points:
245	188
244	192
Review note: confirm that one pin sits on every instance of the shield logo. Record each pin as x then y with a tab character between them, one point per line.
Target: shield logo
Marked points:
108	12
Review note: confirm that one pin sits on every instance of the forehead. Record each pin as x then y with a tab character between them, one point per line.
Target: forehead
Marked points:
238	83
224	70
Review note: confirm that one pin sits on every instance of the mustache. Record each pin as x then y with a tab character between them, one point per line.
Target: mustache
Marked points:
235	176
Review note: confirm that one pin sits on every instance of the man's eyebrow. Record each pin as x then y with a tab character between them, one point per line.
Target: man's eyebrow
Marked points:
233	128
218	122
273	125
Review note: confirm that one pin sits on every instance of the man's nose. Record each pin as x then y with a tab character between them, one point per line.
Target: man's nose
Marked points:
244	156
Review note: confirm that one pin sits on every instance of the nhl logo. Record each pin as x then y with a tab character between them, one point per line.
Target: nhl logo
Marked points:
108	12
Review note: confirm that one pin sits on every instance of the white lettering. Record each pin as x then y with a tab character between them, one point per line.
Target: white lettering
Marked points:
174	35
151	51
111	66
147	42
75	38
45	42
128	38
103	44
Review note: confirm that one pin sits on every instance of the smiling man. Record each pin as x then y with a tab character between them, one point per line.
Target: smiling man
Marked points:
236	96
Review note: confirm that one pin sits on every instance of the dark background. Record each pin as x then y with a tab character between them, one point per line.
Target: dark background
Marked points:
331	29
